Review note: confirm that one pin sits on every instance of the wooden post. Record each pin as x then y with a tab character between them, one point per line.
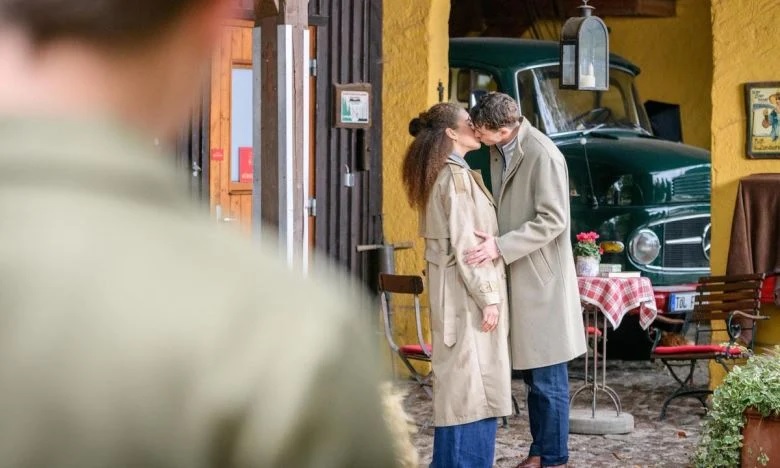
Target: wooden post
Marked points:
279	145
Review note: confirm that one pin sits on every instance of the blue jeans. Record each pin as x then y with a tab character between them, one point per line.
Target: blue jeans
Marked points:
548	412
470	445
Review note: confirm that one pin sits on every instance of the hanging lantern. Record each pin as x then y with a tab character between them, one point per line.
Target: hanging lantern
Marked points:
584	52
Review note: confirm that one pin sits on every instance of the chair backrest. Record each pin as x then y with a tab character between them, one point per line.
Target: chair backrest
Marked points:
734	299
402	285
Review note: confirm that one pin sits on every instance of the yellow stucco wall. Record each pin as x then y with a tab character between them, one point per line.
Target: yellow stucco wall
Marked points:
743	51
675	56
415	39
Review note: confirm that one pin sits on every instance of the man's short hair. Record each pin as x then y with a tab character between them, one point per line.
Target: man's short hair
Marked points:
106	22
495	110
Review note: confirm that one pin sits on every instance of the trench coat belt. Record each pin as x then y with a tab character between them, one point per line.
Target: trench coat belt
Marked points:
449	319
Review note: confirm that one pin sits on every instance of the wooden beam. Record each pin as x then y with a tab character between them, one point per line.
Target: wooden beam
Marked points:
295	12
268	149
650	8
512	18
643	8
266	9
279	50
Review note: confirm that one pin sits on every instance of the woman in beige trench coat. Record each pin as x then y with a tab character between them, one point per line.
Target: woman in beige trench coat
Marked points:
469	319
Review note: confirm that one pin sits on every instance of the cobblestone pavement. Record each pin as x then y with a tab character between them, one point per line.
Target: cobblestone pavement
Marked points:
642	387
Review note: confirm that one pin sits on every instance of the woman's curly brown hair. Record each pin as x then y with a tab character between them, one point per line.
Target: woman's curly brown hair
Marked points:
428	153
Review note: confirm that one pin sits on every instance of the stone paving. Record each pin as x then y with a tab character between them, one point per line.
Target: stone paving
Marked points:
642	387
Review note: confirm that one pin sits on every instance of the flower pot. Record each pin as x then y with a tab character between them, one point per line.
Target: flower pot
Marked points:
759	448
587	266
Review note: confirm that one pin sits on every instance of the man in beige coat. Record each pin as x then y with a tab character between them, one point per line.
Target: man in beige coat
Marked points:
530	185
134	332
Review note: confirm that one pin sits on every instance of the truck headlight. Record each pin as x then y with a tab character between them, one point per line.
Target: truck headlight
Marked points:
644	247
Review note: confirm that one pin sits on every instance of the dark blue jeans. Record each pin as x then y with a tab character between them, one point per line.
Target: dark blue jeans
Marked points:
470	445
548	412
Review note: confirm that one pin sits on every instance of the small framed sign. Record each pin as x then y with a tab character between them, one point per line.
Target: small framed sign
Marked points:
352	105
762	103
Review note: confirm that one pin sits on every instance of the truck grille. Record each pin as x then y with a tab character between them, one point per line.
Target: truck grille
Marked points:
692	184
689	250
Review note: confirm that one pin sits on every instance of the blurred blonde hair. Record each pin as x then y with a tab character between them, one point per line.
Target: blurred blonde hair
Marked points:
400	425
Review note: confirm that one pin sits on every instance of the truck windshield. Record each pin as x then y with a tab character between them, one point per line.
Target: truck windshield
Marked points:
556	110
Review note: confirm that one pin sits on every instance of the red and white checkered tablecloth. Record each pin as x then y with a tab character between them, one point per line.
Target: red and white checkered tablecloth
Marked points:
617	296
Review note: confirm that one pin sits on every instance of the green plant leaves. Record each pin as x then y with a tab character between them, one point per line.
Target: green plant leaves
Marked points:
756	384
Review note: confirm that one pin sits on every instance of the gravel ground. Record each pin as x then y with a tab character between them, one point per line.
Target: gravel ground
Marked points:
642	387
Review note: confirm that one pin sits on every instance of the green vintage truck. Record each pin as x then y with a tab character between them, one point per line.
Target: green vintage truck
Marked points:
653	195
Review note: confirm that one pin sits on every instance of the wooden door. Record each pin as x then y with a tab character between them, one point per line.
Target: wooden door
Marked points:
230	178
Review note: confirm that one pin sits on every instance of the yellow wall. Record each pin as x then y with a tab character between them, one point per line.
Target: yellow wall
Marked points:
415	59
743	32
415	39
675	55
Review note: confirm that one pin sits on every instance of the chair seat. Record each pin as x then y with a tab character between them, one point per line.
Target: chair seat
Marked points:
594	331
414	350
697	349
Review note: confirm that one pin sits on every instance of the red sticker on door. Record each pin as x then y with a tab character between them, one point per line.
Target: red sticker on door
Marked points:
217	154
245	166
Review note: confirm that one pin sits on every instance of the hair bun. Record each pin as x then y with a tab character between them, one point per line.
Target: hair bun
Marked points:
415	126
425	119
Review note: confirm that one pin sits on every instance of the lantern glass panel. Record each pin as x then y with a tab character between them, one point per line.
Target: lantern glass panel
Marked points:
593	55
568	67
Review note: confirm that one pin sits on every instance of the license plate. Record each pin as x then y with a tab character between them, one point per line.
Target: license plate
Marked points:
681	302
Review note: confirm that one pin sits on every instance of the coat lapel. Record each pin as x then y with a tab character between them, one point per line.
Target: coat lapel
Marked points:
496	171
514	162
478	179
474	175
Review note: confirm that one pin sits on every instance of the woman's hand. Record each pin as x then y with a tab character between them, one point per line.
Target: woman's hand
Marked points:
489	317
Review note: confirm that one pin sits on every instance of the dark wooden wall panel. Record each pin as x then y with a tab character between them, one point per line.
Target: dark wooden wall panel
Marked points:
192	152
349	51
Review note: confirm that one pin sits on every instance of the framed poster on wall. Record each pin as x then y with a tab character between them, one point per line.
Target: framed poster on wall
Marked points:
762	106
352	105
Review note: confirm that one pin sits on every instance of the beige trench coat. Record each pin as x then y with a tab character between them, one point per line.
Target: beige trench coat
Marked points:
535	243
471	368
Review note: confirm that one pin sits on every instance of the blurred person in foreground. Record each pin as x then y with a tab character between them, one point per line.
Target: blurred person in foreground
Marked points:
469	319
133	332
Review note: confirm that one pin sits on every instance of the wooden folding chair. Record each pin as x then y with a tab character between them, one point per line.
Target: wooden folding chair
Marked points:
734	299
393	287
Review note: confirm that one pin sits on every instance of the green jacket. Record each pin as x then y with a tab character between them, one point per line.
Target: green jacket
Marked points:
134	332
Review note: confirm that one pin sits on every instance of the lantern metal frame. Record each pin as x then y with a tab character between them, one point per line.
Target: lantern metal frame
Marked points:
571	46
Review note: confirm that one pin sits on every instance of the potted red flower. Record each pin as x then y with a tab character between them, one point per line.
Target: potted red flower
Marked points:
587	254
